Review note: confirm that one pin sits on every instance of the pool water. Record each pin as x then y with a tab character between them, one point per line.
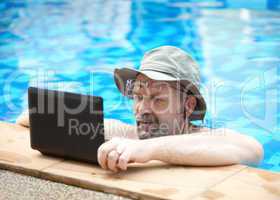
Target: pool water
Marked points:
76	45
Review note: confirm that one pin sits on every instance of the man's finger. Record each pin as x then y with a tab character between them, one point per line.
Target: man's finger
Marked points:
120	148
103	151
112	160
124	159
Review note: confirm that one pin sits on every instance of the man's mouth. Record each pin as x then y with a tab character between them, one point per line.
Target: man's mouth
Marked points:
144	122
145	125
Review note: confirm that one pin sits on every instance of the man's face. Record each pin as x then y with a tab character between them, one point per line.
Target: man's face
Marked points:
158	107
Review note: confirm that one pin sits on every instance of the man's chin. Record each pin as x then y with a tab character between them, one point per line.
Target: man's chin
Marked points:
143	134
151	134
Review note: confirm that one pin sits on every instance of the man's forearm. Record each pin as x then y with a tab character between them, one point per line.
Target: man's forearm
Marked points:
207	149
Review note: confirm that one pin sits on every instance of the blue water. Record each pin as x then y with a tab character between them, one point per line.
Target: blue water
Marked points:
75	46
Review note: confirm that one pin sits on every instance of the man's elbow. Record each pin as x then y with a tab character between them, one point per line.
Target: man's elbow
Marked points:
253	153
250	150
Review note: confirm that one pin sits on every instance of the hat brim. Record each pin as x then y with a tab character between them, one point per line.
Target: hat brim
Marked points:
121	76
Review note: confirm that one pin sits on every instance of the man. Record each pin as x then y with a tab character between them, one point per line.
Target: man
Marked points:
166	100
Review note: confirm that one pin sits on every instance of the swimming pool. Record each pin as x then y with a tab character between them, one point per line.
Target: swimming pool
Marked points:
75	46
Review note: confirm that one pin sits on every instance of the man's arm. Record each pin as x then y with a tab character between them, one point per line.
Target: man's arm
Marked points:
208	148
212	148
216	147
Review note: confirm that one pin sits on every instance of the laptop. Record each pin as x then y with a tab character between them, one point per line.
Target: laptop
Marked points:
66	124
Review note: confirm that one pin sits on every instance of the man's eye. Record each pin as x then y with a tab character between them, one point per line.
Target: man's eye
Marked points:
159	100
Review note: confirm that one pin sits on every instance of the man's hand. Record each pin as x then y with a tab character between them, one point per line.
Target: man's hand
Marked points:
23	119
118	152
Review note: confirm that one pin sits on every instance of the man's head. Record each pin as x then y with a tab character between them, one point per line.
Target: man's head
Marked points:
165	91
160	107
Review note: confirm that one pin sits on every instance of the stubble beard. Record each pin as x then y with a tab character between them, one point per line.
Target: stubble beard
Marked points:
156	131
159	130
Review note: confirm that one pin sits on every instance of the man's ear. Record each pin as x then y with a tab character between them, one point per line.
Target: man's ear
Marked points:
190	104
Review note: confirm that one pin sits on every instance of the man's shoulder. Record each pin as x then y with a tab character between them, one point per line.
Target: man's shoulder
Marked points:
214	131
199	129
117	128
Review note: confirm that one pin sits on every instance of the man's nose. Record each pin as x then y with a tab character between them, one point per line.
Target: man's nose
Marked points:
144	106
